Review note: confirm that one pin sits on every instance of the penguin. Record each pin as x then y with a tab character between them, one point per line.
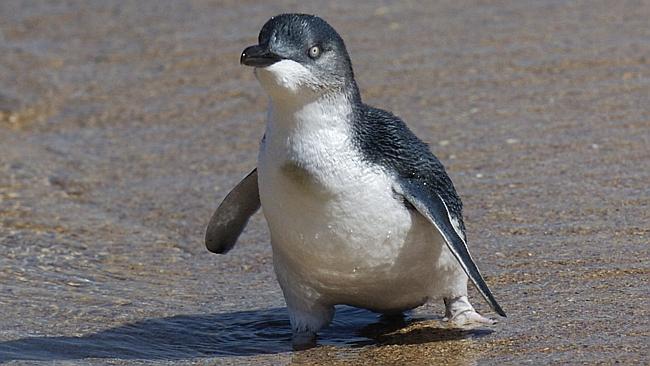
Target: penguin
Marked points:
360	212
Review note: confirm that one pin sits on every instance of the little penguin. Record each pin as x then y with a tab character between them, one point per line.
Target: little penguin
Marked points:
360	212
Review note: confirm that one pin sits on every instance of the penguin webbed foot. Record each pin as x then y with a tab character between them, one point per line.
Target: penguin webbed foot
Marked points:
303	340
470	319
306	320
459	313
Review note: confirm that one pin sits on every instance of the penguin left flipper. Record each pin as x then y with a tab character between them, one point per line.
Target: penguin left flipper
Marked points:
232	215
430	205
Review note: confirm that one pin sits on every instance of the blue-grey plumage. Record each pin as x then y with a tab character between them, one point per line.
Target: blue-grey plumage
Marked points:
357	205
231	217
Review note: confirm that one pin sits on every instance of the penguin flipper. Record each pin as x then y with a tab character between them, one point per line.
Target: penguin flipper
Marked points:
430	205
232	215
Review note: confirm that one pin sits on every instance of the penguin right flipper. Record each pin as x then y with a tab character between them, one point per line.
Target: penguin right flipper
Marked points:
232	215
430	205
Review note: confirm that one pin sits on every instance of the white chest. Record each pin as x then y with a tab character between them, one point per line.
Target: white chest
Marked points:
319	195
334	219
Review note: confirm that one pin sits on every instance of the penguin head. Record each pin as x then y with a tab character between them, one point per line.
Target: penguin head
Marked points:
300	55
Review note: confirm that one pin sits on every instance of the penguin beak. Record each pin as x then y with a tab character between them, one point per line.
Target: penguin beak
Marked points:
258	56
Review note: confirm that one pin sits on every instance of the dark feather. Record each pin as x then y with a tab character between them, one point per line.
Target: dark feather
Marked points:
231	217
385	140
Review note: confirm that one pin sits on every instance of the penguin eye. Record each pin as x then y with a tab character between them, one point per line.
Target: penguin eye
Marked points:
314	52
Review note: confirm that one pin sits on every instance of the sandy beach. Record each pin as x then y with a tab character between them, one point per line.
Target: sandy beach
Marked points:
124	123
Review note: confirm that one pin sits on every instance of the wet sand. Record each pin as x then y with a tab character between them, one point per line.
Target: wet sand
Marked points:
124	123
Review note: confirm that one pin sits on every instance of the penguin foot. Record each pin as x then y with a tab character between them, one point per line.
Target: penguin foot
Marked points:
461	314
469	319
303	340
306	321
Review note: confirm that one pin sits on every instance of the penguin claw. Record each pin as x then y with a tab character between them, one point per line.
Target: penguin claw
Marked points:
469	319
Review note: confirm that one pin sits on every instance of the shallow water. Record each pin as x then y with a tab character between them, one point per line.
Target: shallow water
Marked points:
240	333
123	123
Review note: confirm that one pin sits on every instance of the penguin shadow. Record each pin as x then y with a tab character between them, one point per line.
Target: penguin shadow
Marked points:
242	333
404	330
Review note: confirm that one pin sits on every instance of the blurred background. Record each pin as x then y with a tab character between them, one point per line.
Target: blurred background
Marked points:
124	123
